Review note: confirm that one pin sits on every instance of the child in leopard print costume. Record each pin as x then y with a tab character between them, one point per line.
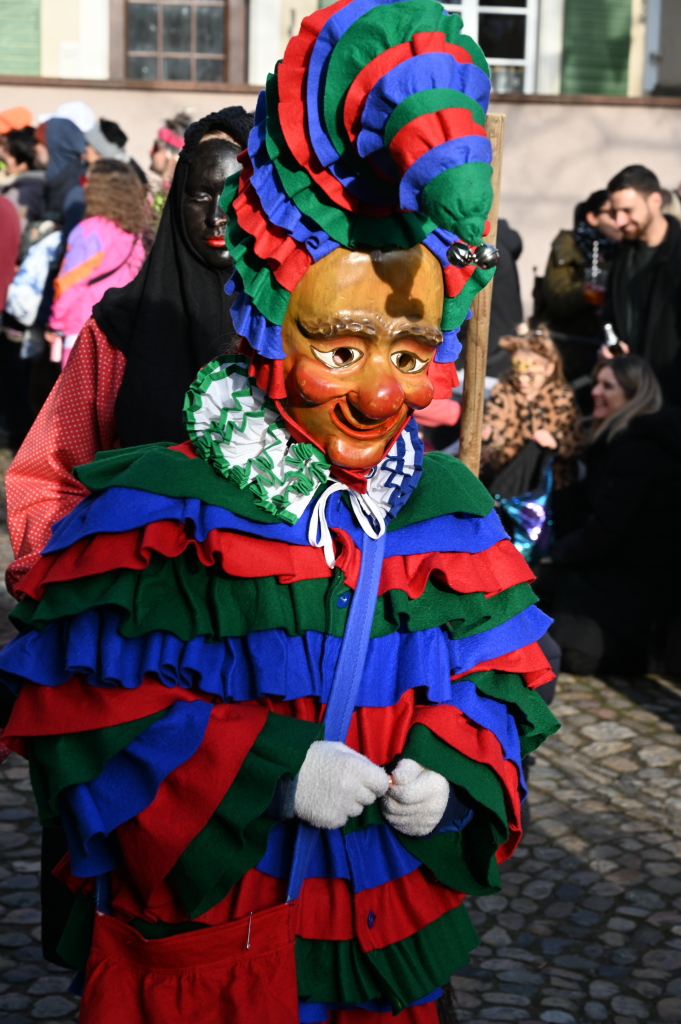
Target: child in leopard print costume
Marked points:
532	402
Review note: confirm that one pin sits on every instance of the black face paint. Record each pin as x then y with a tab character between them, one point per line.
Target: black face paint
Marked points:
204	219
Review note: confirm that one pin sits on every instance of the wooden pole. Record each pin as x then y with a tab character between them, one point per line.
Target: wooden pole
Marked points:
478	326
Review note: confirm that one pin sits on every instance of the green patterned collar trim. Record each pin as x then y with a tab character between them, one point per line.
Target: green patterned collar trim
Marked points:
237	429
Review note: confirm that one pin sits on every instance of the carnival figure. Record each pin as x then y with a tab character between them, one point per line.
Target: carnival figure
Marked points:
277	681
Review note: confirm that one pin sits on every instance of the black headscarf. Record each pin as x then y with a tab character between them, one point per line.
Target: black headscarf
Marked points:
174	316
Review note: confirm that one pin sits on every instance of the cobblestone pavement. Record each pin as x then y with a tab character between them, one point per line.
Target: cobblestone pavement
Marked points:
30	989
587	926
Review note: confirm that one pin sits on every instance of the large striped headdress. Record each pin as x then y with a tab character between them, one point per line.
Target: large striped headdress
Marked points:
370	133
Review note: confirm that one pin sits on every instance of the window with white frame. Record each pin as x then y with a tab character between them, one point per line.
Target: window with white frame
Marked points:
507	33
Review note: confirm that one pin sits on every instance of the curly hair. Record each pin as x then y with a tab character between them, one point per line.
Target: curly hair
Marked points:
542	344
114	191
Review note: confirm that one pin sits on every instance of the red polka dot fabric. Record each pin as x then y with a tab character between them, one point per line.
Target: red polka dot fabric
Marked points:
77	421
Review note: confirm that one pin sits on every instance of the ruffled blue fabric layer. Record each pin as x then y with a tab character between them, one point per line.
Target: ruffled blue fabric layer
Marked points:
465	150
262	664
367	857
280	210
422	72
122	508
263	336
129	782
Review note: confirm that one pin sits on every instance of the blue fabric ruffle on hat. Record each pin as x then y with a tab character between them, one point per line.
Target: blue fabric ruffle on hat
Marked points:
422	72
454	152
321	53
264	337
273	198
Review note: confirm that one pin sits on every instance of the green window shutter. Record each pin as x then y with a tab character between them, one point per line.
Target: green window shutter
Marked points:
19	37
596	47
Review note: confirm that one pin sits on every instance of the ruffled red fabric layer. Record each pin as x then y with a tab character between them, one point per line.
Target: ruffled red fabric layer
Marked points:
238	554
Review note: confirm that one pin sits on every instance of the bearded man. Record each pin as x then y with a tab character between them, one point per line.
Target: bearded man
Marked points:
644	289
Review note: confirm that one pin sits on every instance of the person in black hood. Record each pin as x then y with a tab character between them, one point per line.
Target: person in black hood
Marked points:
644	293
507	308
126	378
615	578
174	317
64	196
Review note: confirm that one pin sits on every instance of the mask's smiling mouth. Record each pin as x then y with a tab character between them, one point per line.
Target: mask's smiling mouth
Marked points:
361	426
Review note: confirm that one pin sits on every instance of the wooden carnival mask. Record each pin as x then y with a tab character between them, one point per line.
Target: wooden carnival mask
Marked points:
360	331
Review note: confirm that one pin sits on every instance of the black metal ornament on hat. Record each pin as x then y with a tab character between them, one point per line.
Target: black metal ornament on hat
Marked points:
461	255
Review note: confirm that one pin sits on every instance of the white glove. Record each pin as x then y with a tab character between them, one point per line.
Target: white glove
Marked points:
336	783
417	799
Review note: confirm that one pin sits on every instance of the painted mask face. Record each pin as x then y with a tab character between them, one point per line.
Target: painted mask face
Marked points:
204	219
359	333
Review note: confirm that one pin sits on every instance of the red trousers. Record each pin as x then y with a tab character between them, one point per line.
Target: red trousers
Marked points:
240	972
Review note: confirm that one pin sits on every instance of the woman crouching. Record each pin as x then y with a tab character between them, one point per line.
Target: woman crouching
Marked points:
615	577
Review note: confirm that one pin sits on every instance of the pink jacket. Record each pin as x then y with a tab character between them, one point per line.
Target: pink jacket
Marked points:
95	247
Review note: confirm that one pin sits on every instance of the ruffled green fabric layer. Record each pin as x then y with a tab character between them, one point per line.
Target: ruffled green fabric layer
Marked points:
183	597
533	718
401	972
446	486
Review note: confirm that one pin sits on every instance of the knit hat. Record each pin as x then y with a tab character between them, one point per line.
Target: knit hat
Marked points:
370	133
12	118
104	147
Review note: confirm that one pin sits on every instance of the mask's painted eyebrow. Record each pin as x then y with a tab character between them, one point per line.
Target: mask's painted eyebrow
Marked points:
431	335
327	330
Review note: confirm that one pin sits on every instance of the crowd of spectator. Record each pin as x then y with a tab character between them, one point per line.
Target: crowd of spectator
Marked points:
581	443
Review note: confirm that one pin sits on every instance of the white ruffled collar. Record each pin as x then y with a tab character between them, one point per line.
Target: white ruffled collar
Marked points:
238	429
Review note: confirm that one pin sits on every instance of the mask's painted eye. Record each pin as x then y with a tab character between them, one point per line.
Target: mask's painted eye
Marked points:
407	362
338	358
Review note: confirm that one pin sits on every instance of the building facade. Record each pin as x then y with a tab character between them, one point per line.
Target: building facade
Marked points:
588	86
546	47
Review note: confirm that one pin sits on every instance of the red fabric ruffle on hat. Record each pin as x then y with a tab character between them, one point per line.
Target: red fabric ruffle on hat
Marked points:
420	42
443	376
291	83
268	374
426	131
287	259
456	278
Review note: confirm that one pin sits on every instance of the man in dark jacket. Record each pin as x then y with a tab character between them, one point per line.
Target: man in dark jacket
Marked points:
507	308
644	289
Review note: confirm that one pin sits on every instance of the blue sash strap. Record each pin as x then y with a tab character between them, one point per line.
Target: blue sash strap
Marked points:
345	686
